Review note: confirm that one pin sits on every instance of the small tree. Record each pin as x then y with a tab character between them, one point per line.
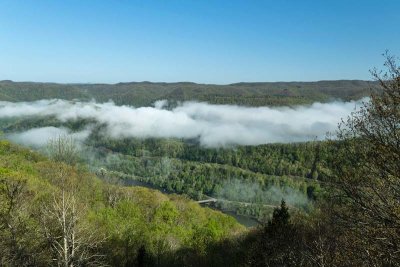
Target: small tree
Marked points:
20	244
63	149
275	246
11	195
63	224
280	216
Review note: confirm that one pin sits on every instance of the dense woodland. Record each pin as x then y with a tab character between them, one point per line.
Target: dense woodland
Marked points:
246	179
146	93
331	203
43	201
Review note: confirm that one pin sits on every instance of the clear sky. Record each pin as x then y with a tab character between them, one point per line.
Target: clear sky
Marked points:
201	41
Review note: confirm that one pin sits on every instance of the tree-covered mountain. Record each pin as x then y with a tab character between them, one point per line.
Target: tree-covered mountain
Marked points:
74	208
146	93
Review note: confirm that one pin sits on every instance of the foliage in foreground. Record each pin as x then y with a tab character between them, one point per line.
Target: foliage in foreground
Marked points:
52	213
366	177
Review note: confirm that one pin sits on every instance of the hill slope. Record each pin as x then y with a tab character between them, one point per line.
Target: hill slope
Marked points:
113	222
146	93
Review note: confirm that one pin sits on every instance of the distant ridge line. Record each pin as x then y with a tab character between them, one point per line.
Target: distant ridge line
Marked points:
146	93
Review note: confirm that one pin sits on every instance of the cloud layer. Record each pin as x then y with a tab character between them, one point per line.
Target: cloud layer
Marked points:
213	125
38	137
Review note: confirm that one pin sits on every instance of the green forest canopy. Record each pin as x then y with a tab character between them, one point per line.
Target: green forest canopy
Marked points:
146	93
126	220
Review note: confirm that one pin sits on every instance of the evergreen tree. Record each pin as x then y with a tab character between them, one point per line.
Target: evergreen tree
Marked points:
280	216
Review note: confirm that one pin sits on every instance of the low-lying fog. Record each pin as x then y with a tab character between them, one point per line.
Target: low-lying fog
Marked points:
213	125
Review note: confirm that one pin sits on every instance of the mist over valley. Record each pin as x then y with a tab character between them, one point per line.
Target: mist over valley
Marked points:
212	125
199	133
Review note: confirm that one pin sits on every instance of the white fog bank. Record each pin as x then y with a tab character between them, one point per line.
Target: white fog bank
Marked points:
213	125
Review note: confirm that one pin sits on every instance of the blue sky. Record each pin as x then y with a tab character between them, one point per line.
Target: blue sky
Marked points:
201	41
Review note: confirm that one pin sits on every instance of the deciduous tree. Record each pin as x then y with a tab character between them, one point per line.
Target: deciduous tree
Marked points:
366	178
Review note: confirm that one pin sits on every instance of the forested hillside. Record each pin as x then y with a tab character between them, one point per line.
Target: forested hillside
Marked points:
248	180
199	133
146	93
51	211
319	203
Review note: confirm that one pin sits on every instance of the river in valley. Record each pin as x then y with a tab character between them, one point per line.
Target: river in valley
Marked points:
244	220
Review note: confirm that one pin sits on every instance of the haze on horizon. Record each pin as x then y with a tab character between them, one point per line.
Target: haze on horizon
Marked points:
211	42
